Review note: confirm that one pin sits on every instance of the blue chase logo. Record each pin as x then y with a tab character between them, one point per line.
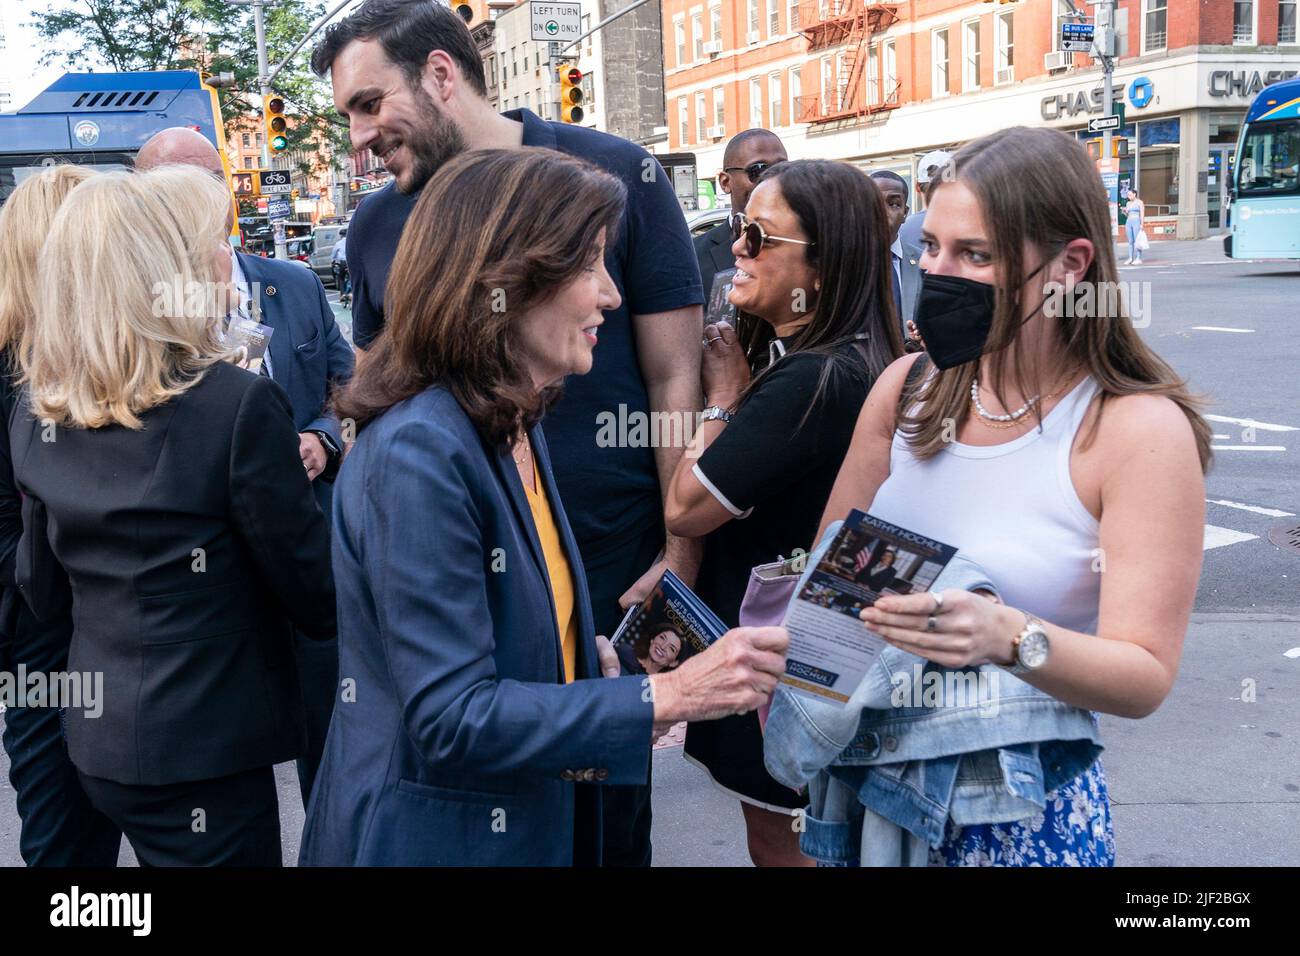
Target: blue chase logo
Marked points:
1140	92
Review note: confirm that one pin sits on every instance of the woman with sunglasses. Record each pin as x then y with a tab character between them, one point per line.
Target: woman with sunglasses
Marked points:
817	325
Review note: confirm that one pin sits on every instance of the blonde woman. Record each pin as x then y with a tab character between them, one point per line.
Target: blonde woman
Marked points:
1033	444
166	484
59	826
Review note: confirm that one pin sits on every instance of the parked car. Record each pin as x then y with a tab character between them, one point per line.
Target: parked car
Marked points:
326	237
701	222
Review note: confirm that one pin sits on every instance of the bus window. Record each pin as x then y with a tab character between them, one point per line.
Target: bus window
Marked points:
1270	159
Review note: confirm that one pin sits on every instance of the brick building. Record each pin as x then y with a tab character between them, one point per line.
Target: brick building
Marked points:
879	84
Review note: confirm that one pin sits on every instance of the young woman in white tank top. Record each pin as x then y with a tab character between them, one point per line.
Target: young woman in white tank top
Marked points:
1054	449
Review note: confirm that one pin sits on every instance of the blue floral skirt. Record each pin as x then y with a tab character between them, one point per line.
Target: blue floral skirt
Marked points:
1074	829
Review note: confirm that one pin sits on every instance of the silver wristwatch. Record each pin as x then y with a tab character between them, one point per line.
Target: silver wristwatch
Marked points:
1029	648
715	413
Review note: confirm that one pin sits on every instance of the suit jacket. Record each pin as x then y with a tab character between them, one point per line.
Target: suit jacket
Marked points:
309	355
909	270
190	545
713	250
459	743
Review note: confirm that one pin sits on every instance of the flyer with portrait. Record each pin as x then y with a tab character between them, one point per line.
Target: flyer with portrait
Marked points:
665	629
831	649
252	338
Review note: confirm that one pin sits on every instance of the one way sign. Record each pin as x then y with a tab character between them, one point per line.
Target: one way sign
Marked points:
1103	123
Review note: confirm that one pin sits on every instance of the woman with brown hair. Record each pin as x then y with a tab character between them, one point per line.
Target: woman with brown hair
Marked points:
469	729
1032	435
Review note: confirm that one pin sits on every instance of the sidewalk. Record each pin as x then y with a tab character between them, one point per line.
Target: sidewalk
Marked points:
1177	252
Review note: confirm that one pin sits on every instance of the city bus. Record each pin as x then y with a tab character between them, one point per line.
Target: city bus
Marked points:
101	120
1266	185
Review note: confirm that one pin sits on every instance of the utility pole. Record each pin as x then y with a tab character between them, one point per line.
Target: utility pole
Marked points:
265	75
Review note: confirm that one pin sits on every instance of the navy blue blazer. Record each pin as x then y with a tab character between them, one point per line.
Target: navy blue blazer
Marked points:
454	739
309	355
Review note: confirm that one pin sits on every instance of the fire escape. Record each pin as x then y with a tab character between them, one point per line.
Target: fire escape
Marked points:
847	26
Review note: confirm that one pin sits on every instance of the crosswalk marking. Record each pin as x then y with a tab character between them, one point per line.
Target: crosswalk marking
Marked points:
1271	512
1216	537
1250	422
1218	328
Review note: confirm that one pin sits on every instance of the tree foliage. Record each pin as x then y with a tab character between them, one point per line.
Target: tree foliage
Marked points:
209	35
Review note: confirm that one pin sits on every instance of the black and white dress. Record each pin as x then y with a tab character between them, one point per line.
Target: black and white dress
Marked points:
773	468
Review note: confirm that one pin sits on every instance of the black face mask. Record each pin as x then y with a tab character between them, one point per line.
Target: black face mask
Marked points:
954	316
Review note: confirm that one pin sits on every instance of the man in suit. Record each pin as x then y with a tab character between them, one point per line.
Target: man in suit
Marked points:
744	159
307	356
905	256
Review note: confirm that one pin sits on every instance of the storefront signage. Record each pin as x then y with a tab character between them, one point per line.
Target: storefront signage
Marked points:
1245	82
1080	101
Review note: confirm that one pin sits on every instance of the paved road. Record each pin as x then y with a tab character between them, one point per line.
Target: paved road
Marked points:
1213	778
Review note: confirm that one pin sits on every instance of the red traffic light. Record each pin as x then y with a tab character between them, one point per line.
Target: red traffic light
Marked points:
574	76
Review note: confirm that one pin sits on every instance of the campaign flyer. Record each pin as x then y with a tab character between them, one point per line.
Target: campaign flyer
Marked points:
830	648
665	629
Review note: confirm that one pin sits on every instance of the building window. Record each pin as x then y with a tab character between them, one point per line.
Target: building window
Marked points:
715	23
939	63
774	18
970	42
828	85
1243	22
873	74
1154	23
697	34
683	121
755	103
774	103
796	91
701	119
720	108
679	34
259	138
890	71
753	16
1005	30
1286	10
792	15
248	141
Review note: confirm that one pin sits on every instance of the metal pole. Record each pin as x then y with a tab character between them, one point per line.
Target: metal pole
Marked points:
303	42
264	85
1105	21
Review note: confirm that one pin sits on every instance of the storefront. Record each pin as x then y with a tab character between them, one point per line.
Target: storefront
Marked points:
1182	117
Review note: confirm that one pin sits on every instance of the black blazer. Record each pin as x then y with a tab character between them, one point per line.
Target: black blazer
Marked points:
713	251
190	545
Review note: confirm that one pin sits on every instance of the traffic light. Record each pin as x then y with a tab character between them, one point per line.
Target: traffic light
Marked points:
571	94
1118	148
276	125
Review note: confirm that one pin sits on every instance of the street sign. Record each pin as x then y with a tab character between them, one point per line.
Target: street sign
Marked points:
1077	37
274	181
1102	123
243	182
555	21
279	209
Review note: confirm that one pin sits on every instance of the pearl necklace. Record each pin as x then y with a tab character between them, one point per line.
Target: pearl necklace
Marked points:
1015	416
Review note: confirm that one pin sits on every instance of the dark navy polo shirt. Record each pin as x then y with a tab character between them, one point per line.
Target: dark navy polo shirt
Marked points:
610	493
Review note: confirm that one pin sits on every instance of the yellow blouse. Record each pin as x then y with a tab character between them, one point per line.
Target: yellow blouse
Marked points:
558	570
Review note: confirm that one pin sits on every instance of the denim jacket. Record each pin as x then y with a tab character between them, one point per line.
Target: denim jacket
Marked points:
918	744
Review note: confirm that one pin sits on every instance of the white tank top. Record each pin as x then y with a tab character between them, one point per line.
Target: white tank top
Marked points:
1012	509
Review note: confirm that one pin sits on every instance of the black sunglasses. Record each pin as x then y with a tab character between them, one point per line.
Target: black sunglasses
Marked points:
755	237
753	170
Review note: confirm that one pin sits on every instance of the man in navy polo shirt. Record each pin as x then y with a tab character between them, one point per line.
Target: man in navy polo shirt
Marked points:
408	78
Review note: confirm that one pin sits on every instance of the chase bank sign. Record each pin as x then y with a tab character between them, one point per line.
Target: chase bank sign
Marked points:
1245	83
1066	105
